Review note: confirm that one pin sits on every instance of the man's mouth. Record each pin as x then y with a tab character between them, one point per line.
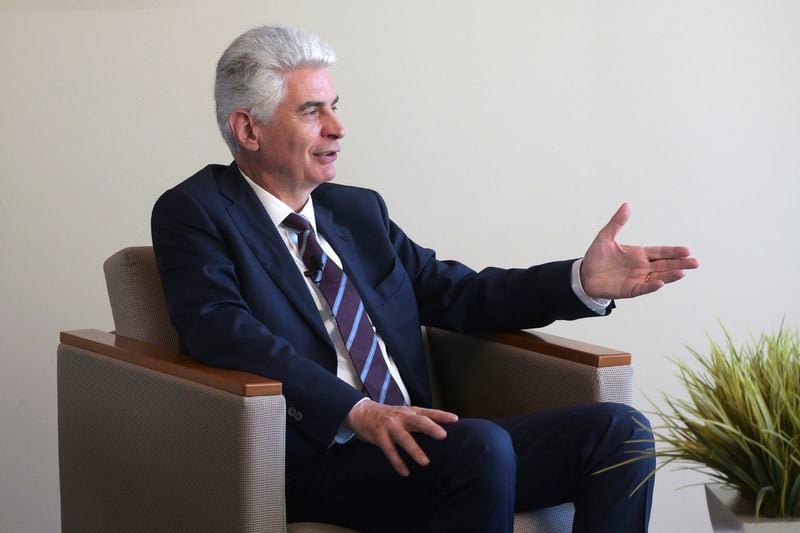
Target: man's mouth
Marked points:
326	157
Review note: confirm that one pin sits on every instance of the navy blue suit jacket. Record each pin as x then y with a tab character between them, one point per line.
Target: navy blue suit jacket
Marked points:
238	301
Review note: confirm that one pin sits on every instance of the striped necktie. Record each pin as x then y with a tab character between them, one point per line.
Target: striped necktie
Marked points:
351	317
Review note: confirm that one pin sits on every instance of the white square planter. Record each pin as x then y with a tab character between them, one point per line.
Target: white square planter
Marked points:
730	513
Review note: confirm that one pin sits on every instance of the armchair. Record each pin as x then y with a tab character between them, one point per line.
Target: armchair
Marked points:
151	440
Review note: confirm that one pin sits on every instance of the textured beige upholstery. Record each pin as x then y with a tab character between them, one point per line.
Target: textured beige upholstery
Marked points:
521	381
142	450
137	301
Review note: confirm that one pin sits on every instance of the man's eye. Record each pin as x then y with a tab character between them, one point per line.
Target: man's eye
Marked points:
335	107
311	112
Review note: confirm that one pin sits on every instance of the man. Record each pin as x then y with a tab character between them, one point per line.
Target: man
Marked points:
269	268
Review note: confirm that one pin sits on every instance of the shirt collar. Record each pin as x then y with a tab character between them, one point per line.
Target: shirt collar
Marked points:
276	209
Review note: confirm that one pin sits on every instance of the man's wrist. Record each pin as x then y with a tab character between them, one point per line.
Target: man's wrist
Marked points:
598	305
345	432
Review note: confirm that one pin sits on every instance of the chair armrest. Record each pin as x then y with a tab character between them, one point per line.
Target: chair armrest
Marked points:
506	374
562	348
154	357
150	440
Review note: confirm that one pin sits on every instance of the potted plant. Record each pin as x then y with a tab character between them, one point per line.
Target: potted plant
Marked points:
741	425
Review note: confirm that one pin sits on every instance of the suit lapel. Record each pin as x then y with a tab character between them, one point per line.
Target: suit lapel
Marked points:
262	236
341	239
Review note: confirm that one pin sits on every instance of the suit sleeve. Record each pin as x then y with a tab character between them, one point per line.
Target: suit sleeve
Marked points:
216	326
452	296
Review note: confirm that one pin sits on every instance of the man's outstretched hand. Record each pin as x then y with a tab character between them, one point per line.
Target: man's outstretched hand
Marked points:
390	426
612	270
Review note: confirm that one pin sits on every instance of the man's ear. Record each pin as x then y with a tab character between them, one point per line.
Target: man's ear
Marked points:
243	126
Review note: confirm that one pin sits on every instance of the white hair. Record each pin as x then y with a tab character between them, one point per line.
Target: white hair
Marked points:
251	74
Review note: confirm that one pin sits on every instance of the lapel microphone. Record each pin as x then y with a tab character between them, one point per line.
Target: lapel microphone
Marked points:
316	267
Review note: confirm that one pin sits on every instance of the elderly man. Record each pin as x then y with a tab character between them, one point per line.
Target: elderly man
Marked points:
269	268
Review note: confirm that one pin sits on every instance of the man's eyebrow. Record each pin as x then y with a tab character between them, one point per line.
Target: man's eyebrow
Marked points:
316	103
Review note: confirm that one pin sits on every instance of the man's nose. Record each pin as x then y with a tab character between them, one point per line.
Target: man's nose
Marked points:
334	129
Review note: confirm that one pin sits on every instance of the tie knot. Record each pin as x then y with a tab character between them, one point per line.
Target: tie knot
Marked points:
297	222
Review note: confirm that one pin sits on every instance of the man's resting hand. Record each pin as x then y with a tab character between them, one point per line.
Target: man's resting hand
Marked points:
387	426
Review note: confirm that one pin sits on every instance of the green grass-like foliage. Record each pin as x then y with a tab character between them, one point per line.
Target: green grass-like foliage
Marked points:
742	420
741	423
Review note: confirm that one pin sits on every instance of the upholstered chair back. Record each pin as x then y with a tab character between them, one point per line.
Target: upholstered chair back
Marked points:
137	299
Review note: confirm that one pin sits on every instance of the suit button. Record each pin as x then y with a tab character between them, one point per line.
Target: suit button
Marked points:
298	416
291	412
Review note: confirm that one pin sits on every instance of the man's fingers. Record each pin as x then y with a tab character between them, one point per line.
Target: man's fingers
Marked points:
668	265
647	287
441	417
655	253
423	424
386	443
401	435
654	281
665	277
388	427
407	442
617	221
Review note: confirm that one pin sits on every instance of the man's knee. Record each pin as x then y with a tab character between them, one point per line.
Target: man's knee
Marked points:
471	478
482	438
624	423
624	433
482	450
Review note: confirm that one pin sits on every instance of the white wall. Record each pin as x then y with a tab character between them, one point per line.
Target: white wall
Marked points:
478	122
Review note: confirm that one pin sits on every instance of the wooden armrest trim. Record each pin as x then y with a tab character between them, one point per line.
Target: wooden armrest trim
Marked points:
579	352
176	364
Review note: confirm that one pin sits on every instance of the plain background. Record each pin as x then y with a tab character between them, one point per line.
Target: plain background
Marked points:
501	133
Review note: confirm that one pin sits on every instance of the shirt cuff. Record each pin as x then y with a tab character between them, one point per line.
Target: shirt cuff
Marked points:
345	433
598	305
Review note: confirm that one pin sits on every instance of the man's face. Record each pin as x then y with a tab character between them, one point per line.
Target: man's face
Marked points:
300	144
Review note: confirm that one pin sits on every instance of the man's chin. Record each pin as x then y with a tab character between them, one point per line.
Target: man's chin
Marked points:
327	176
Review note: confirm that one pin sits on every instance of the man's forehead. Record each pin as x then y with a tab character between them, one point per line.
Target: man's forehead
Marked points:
308	84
